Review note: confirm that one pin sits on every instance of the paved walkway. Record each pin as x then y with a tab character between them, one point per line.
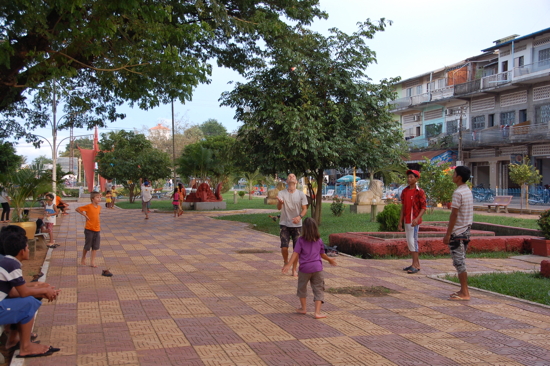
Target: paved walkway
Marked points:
183	294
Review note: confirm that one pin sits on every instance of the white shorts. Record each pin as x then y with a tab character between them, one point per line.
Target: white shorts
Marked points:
411	233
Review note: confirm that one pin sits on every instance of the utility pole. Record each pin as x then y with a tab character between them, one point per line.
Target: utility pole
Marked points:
54	140
460	138
173	144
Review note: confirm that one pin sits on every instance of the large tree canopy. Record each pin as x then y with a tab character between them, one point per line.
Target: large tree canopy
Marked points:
9	160
106	52
127	157
313	108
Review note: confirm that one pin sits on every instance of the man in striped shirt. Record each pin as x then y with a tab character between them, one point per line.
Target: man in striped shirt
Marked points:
458	230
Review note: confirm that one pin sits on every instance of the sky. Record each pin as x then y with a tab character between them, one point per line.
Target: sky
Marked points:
425	35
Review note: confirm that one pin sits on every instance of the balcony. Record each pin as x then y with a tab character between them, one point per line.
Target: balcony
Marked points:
525	70
467	88
496	136
496	80
420	98
401	103
443	93
418	142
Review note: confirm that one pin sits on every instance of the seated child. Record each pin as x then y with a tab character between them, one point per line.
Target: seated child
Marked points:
61	205
17	302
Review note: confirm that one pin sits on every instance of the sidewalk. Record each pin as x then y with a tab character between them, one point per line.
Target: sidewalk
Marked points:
183	294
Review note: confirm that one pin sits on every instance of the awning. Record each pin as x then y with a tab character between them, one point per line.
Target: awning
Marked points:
443	156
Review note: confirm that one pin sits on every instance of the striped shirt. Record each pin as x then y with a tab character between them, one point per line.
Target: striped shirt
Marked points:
464	202
11	275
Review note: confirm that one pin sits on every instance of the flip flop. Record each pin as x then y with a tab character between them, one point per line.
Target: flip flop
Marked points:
456	297
407	268
53	349
413	270
47	353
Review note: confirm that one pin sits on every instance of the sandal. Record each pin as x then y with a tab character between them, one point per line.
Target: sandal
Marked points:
407	268
413	270
106	273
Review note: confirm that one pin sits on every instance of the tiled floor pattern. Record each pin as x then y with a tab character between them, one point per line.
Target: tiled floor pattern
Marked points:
182	295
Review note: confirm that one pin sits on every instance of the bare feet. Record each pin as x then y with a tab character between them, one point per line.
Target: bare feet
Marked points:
93	265
82	263
34	349
457	296
295	273
320	316
301	311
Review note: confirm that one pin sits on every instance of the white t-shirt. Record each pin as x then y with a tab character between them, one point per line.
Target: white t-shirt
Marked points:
464	201
146	193
292	207
3	197
49	210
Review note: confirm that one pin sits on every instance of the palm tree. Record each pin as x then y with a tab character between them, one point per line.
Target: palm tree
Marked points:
252	178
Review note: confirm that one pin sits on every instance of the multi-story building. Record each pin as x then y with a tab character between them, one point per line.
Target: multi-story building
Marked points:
501	98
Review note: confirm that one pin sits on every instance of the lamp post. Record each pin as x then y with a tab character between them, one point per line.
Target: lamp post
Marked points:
55	147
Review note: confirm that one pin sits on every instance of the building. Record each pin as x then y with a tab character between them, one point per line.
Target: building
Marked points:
500	98
160	131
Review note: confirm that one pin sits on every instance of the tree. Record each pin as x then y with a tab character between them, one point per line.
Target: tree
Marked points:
82	142
147	53
211	158
524	174
252	178
42	160
312	106
212	127
185	134
9	160
437	181
127	157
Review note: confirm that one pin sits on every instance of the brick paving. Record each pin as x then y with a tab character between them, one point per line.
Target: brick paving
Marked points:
181	294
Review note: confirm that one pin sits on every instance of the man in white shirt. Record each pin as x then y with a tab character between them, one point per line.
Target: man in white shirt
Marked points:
146	196
293	206
458	230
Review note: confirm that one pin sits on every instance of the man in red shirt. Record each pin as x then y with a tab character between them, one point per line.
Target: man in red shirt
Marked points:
413	206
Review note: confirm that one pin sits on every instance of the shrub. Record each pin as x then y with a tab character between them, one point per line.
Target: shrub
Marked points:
544	223
337	206
241	194
389	218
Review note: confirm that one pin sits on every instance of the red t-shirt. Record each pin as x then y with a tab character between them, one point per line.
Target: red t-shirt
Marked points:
413	201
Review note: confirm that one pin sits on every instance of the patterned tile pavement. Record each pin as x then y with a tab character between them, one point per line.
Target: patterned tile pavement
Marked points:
181	294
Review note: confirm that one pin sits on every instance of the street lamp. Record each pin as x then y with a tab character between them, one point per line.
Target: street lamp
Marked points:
54	149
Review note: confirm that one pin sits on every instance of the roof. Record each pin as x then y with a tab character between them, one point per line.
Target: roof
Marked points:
500	45
418	157
159	127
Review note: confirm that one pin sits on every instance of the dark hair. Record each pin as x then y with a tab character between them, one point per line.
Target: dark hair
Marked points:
107	192
463	172
14	243
49	195
310	232
8	230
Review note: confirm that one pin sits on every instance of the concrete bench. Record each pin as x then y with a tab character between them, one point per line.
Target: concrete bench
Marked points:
499	202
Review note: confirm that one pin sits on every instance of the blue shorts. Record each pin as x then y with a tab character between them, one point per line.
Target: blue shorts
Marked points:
18	310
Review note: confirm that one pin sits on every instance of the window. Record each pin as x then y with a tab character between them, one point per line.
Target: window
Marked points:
418	131
430	86
508	118
441	83
419	90
542	114
522	115
408	92
504	66
518	61
544	55
452	126
478	123
433	129
491	120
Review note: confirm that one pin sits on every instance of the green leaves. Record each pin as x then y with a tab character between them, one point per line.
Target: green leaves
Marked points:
437	181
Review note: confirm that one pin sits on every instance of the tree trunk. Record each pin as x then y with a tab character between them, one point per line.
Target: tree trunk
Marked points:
316	204
131	190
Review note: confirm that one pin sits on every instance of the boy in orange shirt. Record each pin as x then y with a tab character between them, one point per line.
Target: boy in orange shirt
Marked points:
91	230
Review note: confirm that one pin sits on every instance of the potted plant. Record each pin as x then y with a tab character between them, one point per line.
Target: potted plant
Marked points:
542	246
21	185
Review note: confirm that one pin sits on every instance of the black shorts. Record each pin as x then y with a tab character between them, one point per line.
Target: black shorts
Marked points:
288	232
91	240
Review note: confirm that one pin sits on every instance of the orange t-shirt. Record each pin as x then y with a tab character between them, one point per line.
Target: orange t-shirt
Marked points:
93	214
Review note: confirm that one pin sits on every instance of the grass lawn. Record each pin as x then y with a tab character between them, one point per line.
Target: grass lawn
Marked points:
242	203
528	286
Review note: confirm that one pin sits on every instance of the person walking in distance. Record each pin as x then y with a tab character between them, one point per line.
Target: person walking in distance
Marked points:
413	206
293	206
146	197
458	229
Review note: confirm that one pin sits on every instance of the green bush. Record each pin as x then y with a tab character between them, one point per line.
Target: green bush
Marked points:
241	194
389	218
337	206
544	223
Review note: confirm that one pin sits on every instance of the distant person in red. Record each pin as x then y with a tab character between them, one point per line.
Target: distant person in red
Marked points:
413	207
